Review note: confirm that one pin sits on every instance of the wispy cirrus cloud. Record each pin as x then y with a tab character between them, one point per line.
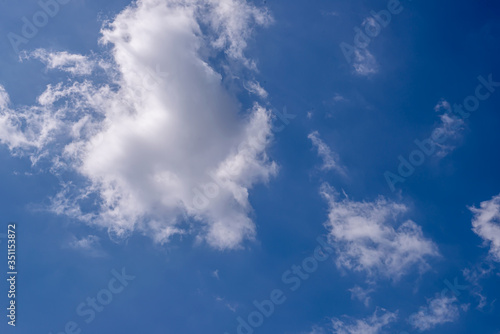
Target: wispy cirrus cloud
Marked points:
475	275
330	158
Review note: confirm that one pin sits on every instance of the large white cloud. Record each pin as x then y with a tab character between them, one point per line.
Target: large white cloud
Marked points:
162	145
486	224
369	238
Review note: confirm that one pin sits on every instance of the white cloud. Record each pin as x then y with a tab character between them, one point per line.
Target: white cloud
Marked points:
475	274
363	295
371	325
231	306
440	310
232	21
331	13
255	88
4	99
448	128
330	158
359	56
339	98
317	330
64	61
89	245
442	105
215	273
368	238
151	140
40	125
364	62
486	224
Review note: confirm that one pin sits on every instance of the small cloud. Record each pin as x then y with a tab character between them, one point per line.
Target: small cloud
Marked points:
89	245
255	88
364	62
363	295
475	275
329	13
339	98
73	63
443	105
439	310
330	159
215	274
448	128
374	324
368	238
231	307
4	98
486	224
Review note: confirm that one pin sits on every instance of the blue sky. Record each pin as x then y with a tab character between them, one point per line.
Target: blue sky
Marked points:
172	164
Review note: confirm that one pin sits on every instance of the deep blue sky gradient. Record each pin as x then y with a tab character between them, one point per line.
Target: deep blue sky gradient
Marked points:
432	50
